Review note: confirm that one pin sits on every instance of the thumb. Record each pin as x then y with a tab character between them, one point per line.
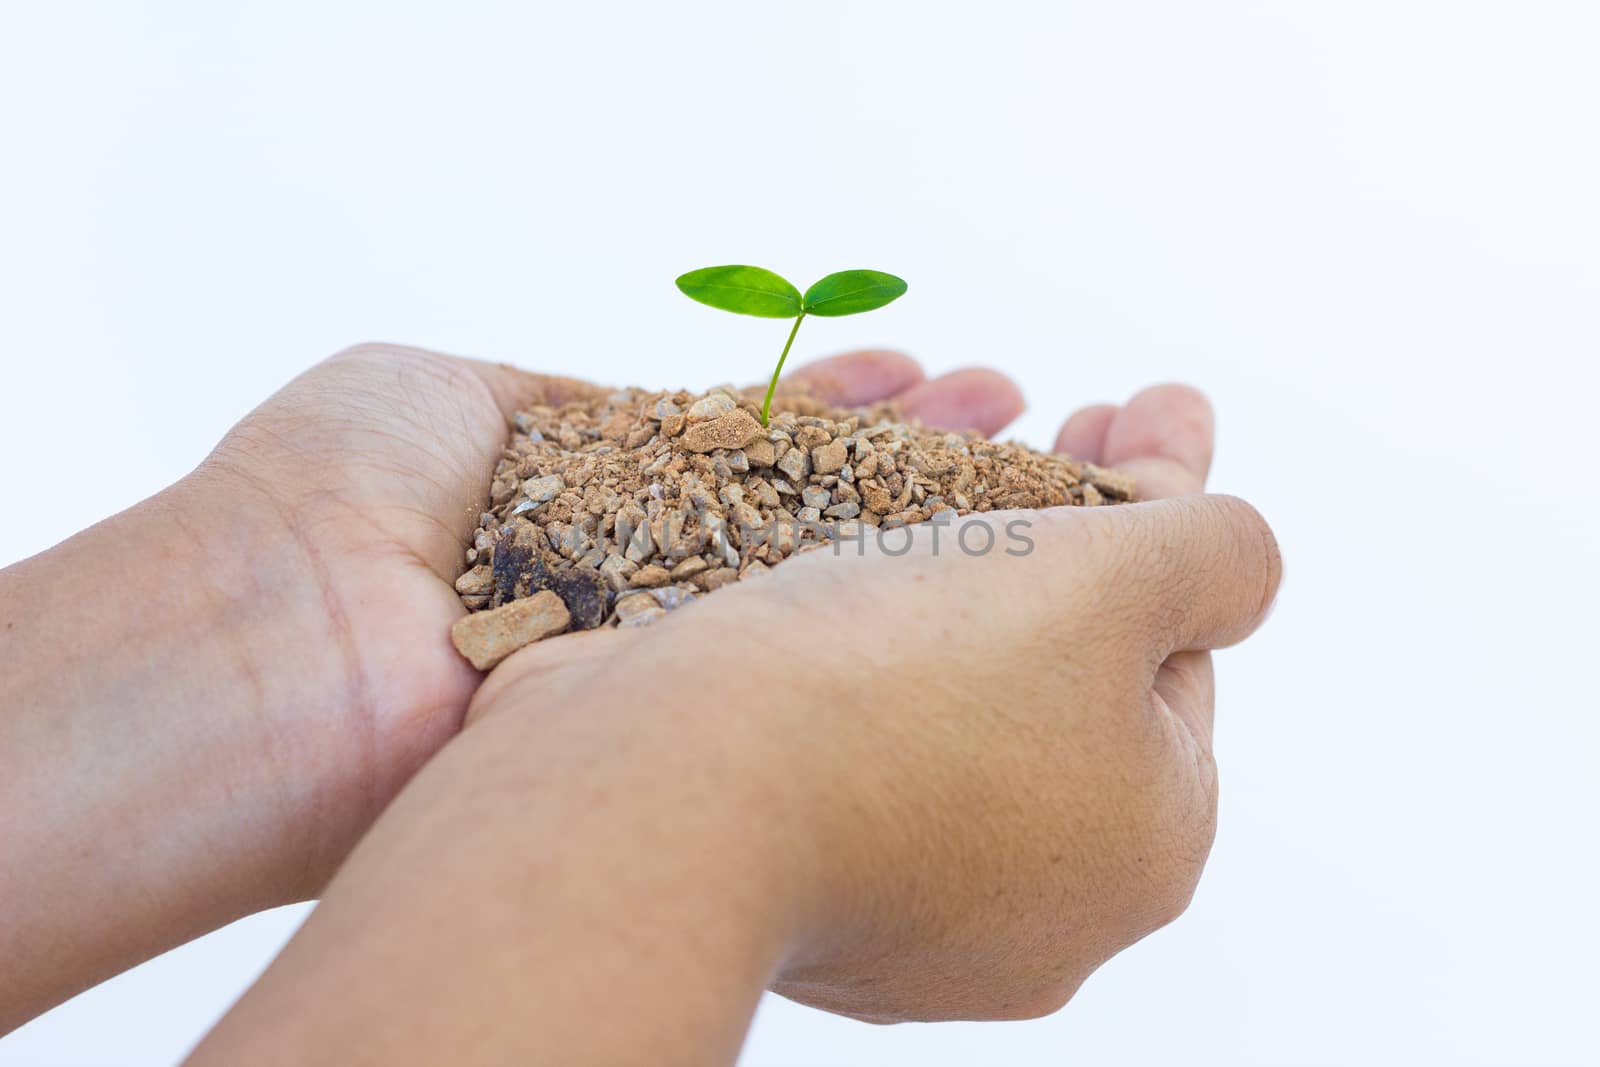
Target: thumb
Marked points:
1201	572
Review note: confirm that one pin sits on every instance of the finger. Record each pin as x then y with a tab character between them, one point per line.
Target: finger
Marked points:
1163	438
973	399
1186	686
1201	572
856	378
1083	436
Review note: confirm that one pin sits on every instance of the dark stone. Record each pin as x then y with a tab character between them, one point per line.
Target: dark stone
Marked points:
585	593
518	569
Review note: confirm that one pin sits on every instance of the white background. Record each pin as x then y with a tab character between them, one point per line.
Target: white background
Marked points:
1368	229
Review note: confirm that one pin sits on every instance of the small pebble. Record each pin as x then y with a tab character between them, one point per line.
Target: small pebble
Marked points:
760	453
672	597
648	576
829	458
689	568
477	581
616	571
796	464
542	490
640	609
713	580
712	407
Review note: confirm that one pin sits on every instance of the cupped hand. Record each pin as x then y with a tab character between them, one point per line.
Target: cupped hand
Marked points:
364	479
1063	804
980	776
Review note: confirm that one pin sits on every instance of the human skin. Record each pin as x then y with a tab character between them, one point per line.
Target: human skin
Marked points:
908	787
209	697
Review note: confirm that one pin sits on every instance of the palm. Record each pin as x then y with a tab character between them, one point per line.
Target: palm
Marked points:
373	464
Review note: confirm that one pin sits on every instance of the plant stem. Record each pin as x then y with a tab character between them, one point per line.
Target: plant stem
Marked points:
766	405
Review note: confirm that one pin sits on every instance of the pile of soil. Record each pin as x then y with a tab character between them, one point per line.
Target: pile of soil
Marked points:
618	509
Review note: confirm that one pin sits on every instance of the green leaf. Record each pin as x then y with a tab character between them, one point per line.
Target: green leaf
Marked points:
851	291
745	290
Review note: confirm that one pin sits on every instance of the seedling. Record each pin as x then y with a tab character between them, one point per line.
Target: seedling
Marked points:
754	291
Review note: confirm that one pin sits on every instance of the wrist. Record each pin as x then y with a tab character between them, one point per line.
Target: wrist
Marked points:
147	791
271	670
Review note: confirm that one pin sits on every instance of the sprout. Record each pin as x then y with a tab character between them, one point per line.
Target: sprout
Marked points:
755	291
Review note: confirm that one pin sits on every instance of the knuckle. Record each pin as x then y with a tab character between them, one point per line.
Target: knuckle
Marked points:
1018	997
399	366
1193	824
1159	840
400	358
1046	1000
371	350
1171	906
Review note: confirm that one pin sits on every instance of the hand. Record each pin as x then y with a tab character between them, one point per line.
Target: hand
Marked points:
212	695
1094	804
898	788
1006	776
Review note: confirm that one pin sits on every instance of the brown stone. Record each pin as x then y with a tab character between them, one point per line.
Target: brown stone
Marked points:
809	437
479	581
711	581
617	428
689	568
829	458
649	577
734	430
639	609
487	637
877	498
761	453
